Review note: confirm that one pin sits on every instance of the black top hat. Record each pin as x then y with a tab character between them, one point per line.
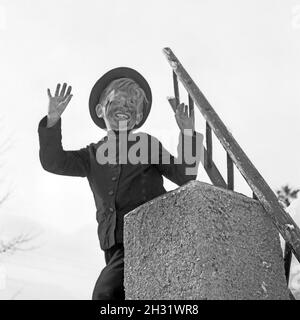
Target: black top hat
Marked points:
106	79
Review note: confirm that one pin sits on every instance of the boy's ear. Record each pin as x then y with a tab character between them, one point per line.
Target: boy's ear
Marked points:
99	110
139	117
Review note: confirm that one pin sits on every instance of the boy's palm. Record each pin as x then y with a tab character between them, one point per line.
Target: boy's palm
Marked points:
184	115
184	119
59	102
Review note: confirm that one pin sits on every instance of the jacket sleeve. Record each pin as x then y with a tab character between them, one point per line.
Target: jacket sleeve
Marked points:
184	168
56	160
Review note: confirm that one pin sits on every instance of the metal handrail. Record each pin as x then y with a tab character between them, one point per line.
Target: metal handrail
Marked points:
261	190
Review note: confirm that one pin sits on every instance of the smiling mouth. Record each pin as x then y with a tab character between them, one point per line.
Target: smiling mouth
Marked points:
122	116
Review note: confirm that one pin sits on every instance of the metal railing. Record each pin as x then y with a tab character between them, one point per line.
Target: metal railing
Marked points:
235	156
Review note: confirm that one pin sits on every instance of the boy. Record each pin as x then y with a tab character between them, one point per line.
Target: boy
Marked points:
119	103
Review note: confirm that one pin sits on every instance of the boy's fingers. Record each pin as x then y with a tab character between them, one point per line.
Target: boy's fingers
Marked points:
186	110
180	108
63	90
68	99
69	90
49	93
57	90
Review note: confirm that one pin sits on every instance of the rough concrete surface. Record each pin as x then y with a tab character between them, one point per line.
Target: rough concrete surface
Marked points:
202	242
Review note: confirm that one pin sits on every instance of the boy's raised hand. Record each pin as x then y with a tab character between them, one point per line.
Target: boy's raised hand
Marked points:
184	115
58	102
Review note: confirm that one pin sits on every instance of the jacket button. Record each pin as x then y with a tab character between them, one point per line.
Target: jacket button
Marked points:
111	209
111	193
114	178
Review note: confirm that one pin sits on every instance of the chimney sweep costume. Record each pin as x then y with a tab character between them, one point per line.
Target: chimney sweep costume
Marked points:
117	187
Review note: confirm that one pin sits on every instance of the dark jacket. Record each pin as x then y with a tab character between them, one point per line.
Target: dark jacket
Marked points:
117	188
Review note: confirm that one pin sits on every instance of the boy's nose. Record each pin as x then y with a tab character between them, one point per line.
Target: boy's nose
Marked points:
124	108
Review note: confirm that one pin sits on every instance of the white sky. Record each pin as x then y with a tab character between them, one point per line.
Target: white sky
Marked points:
244	56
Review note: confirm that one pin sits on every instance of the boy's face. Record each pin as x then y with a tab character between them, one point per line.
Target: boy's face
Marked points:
119	113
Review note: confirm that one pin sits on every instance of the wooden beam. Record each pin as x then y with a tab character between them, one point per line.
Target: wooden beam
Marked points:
230	173
213	172
176	89
287	261
209	145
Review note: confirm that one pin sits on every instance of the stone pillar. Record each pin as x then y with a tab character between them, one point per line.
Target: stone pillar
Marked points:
202	242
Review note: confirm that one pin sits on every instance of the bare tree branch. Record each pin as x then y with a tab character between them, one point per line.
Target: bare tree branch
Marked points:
287	194
16	293
4	198
17	243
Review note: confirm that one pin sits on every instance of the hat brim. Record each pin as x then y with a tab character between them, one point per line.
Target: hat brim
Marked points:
106	79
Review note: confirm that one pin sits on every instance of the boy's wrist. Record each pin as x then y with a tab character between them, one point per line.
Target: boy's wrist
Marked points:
51	121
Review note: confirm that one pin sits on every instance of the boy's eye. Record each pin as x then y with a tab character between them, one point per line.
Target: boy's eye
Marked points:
116	103
131	103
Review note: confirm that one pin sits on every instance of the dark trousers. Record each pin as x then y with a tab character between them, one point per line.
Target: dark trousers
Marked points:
110	283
